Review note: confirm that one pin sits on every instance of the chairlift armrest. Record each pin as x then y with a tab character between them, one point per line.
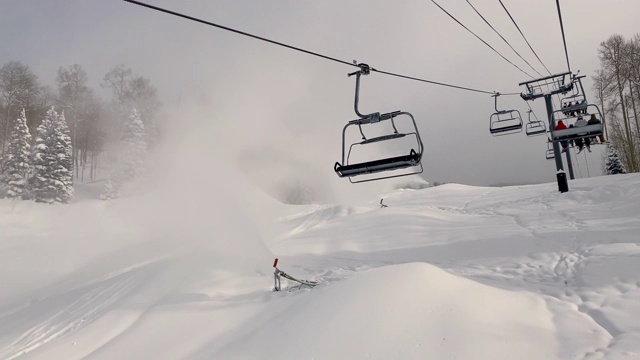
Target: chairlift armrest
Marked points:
390	115
368	119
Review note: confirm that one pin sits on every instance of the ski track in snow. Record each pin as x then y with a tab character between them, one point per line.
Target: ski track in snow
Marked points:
45	319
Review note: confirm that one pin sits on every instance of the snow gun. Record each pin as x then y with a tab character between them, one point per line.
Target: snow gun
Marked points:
281	274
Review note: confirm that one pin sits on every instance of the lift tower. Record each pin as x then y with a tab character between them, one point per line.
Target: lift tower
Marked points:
547	87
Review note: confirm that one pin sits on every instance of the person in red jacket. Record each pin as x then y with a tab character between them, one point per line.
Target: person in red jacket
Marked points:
561	126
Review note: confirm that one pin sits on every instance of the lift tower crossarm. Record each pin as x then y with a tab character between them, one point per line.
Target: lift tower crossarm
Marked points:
555	84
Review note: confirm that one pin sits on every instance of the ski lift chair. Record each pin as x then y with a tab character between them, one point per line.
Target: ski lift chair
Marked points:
504	122
550	155
391	166
573	133
535	127
575	104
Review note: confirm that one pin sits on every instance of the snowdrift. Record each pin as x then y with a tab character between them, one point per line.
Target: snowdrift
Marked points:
446	272
415	311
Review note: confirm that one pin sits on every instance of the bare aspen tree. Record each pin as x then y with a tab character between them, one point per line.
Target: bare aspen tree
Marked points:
80	106
18	89
633	73
614	80
133	91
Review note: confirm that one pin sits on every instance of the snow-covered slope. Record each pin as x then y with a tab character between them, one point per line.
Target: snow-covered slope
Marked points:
447	272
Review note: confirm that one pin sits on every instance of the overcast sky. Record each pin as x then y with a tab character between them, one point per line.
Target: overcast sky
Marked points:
287	109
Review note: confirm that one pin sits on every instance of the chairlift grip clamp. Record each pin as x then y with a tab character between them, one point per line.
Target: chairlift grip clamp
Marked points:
364	70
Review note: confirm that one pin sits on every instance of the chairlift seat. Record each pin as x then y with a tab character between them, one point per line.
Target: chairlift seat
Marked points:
504	129
534	128
550	155
578	132
370	167
504	122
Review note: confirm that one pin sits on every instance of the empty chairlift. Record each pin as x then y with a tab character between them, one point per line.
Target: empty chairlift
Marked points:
393	133
549	155
535	127
504	122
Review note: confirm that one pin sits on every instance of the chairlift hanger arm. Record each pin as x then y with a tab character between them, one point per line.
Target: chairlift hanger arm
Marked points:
495	96
579	79
373	117
364	70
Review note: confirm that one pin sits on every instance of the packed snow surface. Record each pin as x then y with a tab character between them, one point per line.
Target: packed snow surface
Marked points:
449	272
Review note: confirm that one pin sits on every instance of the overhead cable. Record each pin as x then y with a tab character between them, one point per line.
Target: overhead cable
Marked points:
524	37
236	31
502	37
439	83
564	40
479	38
302	50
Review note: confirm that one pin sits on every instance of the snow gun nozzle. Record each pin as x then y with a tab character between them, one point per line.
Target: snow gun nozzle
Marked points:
275	262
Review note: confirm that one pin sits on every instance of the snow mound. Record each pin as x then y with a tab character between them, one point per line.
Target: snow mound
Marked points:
416	311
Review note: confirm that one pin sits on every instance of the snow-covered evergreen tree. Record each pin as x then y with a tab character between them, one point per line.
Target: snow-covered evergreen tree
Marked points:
52	174
613	164
65	148
132	151
134	147
110	191
16	161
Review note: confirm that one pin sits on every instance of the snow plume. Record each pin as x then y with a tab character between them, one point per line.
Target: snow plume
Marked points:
200	203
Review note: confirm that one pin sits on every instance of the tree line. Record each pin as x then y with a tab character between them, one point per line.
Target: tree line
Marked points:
72	111
617	88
